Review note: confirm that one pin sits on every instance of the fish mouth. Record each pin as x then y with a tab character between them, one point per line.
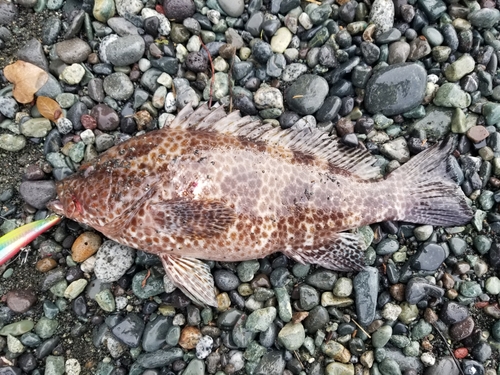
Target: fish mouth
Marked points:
56	206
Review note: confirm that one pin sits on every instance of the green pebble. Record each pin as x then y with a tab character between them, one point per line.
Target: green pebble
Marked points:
412	350
59	288
301	270
17	328
246	270
106	300
153	287
66	100
459	125
195	367
36	127
381	336
366	235
451	95
254	351
50	309
470	289
495	330
382	122
173	335
105	368
486	200
417	112
380	354
103	10
12	142
482	244
284	305
309	345
270	113
77	152
477	221
261	319
457	246
75	289
46	328
206	316
420	330
461	67
491	113
292	336
54	365
8	273
400	341
389	367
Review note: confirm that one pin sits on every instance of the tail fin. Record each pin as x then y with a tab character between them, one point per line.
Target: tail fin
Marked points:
435	198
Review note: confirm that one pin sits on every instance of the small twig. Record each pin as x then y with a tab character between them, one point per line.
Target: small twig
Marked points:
297	96
449	348
212	81
298	359
361	328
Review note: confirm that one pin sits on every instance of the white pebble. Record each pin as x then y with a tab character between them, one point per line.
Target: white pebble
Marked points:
113	260
391	311
213	16
144	64
72	367
64	125
204	347
165	80
87	136
168	284
88	265
427	359
193	44
121	302
179	320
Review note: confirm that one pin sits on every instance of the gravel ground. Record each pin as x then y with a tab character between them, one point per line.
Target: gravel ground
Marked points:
391	76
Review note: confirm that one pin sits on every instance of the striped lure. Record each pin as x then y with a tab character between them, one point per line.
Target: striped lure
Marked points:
12	242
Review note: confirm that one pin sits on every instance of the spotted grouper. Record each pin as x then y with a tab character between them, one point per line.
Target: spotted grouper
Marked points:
220	187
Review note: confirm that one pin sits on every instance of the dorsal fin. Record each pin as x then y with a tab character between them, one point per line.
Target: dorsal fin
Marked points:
309	141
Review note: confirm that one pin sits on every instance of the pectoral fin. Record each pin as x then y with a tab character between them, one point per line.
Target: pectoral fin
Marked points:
188	217
193	277
342	253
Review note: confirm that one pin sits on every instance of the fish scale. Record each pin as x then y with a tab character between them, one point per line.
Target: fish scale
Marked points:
220	187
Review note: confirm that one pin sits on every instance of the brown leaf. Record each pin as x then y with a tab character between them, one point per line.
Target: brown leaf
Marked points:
27	79
48	108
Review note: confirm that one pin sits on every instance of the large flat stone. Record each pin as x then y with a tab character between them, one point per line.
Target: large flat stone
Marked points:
396	89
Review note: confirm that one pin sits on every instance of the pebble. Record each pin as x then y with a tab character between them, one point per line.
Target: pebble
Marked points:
20	300
307	94
366	287
85	246
112	261
396	89
261	319
189	338
292	336
73	51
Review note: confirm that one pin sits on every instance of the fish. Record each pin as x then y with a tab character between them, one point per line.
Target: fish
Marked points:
12	242
222	187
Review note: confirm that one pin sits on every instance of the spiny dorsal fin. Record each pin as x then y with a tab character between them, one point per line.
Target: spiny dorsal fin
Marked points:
310	141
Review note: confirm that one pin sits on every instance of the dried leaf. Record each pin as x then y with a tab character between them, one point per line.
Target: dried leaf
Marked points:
48	108
27	79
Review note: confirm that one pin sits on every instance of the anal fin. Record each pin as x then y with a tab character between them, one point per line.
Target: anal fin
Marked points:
192	276
342	253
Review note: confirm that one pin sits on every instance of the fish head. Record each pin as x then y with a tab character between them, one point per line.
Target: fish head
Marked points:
70	200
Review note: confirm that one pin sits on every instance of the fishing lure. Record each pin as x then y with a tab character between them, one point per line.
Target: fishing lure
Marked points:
12	242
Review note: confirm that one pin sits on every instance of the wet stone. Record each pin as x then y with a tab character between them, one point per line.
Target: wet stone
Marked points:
428	258
307	94
452	313
419	288
462	330
395	89
129	330
20	300
366	289
113	260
